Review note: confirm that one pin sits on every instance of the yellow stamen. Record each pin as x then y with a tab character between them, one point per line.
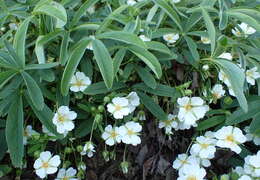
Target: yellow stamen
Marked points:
45	165
192	178
230	138
118	107
204	146
188	107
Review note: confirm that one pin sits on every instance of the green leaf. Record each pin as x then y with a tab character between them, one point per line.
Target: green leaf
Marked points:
160	47
39	50
122	36
53	9
211	29
64	48
84	128
211	122
72	64
117	60
34	91
13	58
240	115
81	11
169	11
236	77
3	148
41	66
19	39
6	76
45	116
154	108
14	132
255	124
193	48
148	58
100	88
160	90
146	76
104	62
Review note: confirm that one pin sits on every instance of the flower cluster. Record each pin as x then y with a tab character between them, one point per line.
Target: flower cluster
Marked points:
123	106
251	168
203	150
128	134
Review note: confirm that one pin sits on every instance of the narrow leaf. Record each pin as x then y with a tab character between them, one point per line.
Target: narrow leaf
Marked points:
104	62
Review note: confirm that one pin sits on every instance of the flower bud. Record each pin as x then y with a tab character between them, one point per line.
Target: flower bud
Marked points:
228	100
79	148
124	166
82	166
105	155
224	177
101	108
106	99
36	154
205	67
93	108
98	118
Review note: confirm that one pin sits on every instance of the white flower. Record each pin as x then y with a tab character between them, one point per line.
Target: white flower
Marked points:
245	28
205	40
46	164
231	91
28	133
82	166
144	38
227	56
230	137
239	170
171	38
245	177
171	122
252	137
183	160
252	75
130	133
88	149
183	126
191	109
111	135
131	2
192	172
91	9
63	119
222	76
13	26
79	82
134	101
119	107
218	91
176	1
252	165
69	174
205	67
204	147
141	116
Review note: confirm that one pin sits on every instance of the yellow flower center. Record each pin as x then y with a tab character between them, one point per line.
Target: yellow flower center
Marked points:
113	134
130	132
192	178
169	38
184	161
78	83
230	138
167	122
249	73
118	107
216	95
188	107
45	165
204	146
61	118
65	178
